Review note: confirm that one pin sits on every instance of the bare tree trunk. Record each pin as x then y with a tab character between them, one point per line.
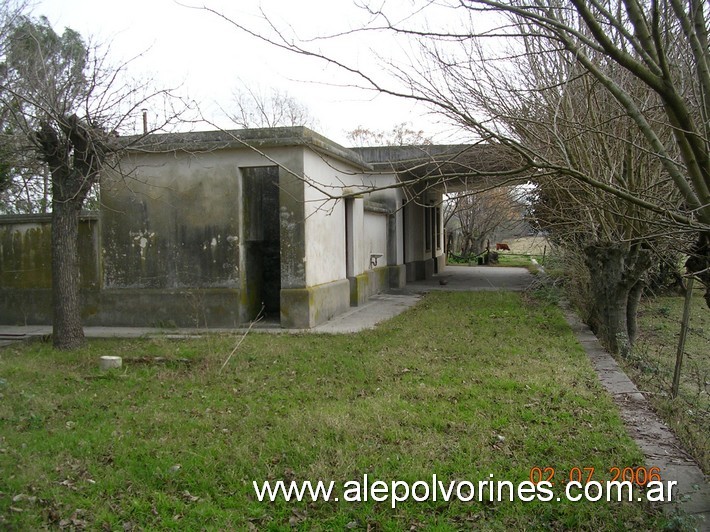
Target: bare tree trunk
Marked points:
699	263
45	192
466	245
67	332
609	297
632	308
615	274
478	244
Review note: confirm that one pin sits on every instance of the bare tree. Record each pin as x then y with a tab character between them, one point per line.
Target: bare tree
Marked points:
571	119
24	191
475	217
64	107
10	11
400	135
253	108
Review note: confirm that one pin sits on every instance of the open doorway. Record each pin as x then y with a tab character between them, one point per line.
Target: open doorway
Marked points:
260	198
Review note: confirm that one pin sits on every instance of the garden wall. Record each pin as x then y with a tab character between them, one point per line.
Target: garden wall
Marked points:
26	266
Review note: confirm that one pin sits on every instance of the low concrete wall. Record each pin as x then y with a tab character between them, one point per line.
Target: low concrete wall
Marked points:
26	251
26	266
194	307
129	307
358	289
26	284
27	306
304	308
441	263
397	276
416	270
365	285
429	268
378	280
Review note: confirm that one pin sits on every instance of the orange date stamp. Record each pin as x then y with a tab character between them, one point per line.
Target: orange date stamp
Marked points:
639	476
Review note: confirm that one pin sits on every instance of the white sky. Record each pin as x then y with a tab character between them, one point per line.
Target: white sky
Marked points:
208	57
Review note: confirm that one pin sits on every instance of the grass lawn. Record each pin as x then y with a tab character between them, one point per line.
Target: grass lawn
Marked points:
463	386
652	364
504	259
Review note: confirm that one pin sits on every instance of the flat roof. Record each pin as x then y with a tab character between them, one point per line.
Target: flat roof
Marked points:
453	165
277	137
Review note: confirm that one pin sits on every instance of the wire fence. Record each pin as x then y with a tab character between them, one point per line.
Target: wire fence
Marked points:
652	362
654	366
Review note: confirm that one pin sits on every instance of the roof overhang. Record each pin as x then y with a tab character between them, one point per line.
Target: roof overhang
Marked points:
448	168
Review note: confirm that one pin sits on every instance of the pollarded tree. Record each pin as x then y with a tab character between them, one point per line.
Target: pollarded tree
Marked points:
63	107
570	120
45	85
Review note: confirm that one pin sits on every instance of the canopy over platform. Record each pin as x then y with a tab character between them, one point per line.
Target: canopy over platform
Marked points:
448	168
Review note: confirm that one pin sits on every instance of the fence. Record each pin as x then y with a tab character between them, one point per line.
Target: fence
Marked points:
681	397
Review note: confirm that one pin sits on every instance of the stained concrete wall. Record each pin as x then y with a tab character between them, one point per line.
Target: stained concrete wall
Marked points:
170	231
360	250
173	231
377	226
26	266
327	293
175	221
369	227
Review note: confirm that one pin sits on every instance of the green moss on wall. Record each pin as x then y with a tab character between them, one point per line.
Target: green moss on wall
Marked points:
26	252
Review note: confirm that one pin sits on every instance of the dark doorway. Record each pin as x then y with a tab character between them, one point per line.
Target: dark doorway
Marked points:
431	235
260	192
405	212
435	235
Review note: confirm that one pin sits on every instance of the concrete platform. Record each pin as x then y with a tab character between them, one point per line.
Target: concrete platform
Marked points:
474	278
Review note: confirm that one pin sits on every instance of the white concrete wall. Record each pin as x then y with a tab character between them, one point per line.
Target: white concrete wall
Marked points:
325	219
415	232
376	224
371	228
441	244
375	227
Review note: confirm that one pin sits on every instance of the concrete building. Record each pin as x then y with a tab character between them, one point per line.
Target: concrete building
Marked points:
214	228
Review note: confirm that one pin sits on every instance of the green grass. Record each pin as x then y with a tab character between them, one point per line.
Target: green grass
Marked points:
463	385
516	261
652	364
513	260
519	261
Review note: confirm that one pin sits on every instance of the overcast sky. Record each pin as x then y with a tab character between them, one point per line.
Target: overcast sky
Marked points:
210	58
